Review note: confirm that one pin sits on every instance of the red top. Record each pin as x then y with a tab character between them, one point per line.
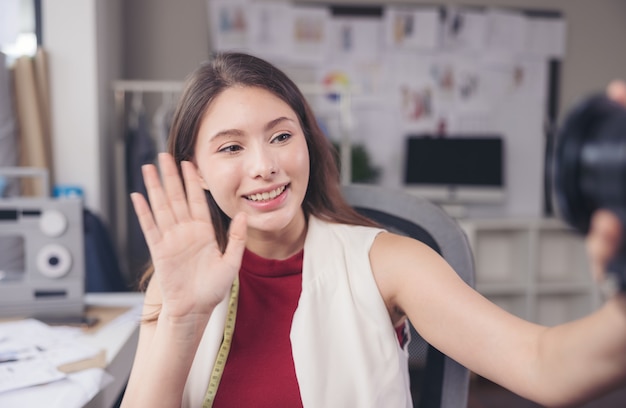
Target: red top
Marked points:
259	370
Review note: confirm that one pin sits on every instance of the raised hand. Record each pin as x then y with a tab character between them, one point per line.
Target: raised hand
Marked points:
192	273
605	232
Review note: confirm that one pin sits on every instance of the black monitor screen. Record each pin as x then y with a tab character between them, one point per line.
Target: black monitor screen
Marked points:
469	161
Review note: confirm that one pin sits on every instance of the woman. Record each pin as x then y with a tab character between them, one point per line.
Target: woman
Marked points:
318	292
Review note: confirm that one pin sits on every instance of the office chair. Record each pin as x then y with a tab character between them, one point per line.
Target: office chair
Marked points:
437	381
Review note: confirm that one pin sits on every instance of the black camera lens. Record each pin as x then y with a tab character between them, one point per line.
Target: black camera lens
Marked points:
589	166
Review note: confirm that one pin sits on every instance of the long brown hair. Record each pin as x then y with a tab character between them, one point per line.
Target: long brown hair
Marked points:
323	197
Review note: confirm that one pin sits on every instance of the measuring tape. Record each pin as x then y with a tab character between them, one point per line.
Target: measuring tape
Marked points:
220	361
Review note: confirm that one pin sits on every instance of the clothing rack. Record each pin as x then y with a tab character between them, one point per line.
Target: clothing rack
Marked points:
132	91
128	97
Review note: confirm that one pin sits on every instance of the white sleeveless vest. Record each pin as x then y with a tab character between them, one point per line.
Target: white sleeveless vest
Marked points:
345	349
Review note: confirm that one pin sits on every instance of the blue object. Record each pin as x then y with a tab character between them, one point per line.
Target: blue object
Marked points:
67	191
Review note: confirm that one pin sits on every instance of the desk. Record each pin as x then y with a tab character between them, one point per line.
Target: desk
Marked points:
119	338
117	335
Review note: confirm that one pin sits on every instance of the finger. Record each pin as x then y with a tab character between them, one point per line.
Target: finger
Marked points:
597	262
196	197
237	235
146	221
607	227
158	200
616	90
603	240
173	187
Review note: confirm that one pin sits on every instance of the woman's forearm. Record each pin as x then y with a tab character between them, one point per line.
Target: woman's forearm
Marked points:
161	370
583	358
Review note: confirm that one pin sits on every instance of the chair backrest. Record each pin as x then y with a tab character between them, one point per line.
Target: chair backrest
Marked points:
436	380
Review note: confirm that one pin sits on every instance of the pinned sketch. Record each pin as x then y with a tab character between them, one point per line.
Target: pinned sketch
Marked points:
464	30
356	38
411	28
311	34
336	81
229	24
471	94
270	25
413	92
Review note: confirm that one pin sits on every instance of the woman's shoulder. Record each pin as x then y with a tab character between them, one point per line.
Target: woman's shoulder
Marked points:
405	268
395	249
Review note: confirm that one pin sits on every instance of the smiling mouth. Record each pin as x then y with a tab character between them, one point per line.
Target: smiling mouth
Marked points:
268	195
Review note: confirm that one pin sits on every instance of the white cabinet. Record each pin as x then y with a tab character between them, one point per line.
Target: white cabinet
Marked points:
535	268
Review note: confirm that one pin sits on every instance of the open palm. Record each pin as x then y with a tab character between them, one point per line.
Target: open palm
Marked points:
191	271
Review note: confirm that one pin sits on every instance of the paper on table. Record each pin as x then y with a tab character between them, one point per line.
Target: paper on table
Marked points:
74	391
31	352
26	373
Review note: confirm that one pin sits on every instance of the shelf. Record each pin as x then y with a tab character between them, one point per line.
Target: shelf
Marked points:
566	288
535	268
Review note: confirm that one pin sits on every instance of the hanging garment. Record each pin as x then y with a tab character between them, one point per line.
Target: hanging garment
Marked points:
102	267
162	121
140	150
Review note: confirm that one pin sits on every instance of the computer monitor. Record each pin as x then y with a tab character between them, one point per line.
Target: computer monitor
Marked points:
456	169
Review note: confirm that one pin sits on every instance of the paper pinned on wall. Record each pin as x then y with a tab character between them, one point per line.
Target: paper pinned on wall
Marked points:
229	22
546	37
464	30
506	32
9	21
418	88
356	38
412	29
270	25
311	34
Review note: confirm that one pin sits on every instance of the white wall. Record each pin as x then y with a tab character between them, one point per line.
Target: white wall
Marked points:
82	41
73	92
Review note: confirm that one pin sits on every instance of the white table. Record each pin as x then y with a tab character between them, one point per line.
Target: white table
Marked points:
117	335
119	339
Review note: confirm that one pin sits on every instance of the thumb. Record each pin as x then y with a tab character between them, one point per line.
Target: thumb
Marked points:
237	235
616	90
603	240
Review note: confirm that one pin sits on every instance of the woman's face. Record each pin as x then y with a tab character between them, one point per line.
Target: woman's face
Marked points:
252	156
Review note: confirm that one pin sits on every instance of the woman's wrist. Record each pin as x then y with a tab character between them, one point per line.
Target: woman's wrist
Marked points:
189	327
617	303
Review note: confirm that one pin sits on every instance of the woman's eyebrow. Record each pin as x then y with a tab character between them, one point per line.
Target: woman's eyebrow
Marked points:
236	132
277	121
226	133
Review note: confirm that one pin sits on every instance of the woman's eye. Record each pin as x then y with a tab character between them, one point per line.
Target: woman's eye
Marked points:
230	148
281	138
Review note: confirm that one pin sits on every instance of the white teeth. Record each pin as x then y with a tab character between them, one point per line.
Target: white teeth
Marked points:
268	195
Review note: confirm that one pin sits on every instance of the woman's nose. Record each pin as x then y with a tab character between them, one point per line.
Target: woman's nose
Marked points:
263	163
